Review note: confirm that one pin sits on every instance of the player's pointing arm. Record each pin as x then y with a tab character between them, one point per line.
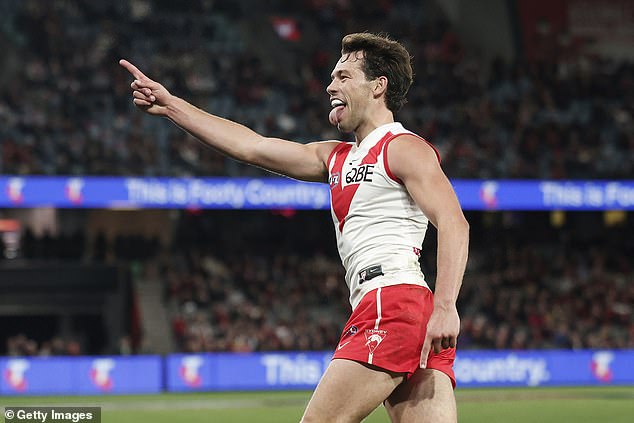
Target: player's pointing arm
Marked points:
301	161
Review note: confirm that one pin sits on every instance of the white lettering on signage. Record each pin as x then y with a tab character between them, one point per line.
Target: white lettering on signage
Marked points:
532	372
283	370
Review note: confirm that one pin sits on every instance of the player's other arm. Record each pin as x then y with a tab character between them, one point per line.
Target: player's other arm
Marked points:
300	161
415	163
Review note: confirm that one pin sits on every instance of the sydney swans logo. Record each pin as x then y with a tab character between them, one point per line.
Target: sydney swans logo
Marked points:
373	337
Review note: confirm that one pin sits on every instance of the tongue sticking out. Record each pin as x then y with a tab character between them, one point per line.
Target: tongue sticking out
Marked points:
335	115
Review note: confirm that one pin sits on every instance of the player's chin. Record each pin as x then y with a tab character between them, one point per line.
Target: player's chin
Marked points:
344	127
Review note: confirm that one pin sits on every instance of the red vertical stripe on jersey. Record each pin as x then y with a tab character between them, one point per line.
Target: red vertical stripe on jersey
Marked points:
338	147
336	193
342	197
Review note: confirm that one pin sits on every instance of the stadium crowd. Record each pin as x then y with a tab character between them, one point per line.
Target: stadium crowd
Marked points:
65	107
65	110
20	345
535	287
510	308
540	287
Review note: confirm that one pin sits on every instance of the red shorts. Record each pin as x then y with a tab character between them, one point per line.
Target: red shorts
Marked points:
387	329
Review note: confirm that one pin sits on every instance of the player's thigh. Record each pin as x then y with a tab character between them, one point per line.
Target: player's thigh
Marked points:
427	396
349	391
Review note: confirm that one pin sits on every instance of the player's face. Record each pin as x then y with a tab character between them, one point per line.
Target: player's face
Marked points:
350	93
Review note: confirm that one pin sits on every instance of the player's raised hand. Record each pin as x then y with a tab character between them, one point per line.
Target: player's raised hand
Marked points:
148	95
442	332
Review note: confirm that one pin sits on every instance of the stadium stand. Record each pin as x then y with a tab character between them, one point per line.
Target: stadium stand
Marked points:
540	287
65	110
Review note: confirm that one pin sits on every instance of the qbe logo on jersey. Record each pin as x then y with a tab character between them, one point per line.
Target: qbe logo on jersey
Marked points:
15	374
360	174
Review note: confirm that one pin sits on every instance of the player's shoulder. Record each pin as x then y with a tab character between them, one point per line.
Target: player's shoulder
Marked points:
411	145
398	131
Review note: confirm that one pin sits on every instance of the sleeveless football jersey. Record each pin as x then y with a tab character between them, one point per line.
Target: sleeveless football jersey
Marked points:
376	220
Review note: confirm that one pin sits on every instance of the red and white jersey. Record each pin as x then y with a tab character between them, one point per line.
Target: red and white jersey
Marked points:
376	220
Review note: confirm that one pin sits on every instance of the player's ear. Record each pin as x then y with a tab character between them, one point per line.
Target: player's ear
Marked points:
380	86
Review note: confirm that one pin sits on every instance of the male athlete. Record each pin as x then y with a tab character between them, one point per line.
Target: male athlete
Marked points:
398	347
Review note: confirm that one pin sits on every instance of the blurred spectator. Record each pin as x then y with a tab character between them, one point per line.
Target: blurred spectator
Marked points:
21	345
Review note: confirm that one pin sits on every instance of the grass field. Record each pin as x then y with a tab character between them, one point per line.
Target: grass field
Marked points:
536	405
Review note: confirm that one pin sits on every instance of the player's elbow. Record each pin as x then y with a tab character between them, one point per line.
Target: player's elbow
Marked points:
463	225
455	223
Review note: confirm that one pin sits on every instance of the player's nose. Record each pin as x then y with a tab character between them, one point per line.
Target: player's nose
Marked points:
331	88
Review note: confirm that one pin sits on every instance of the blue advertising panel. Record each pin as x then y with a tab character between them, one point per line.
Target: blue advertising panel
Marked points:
80	375
281	193
36	375
289	371
544	195
119	375
211	193
271	370
253	371
190	372
544	368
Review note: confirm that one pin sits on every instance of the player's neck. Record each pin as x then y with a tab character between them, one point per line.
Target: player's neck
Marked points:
380	118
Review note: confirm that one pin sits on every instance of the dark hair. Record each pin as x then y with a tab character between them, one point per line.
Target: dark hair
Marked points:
383	57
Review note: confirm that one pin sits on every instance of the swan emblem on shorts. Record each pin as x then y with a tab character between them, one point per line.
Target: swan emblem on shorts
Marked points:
373	337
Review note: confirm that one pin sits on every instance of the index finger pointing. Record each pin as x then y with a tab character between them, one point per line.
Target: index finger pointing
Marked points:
132	69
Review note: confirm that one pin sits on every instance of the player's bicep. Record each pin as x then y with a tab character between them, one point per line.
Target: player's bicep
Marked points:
300	161
416	164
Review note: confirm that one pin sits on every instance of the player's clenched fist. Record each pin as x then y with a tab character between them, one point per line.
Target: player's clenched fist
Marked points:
147	94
